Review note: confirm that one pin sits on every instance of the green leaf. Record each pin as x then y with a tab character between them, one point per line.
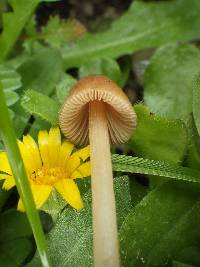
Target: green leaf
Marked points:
13	253
137	188
104	66
63	87
11	97
9	78
122	163
17	61
54	205
144	25
122	197
189	255
70	240
21	120
42	71
164	223
158	138
168	80
13	225
196	103
10	81
193	156
192	159
11	113
14	230
41	105
180	264
13	23
37	125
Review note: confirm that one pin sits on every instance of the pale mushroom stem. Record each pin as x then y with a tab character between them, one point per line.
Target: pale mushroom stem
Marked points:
105	241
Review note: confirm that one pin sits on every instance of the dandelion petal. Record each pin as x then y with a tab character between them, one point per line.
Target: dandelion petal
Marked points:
83	153
31	145
9	181
83	170
4	164
40	195
43	141
70	192
54	145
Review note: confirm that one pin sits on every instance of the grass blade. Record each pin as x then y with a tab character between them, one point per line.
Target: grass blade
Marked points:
8	136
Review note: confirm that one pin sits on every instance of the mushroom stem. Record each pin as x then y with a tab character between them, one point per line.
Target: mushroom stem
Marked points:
105	241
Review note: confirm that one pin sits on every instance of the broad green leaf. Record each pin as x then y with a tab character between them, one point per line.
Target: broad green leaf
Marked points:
9	78
41	105
42	71
70	240
14	231
122	163
122	198
13	225
192	159
158	138
11	97
137	189
104	66
144	25
169	78
164	223
13	23
63	87
196	103
11	81
55	203
37	125
189	255
21	120
17	61
180	264
193	156
13	253
11	113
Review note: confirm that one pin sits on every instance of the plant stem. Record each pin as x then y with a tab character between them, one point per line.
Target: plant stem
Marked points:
106	252
8	136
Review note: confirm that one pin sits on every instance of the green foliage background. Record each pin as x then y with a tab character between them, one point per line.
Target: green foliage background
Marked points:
158	219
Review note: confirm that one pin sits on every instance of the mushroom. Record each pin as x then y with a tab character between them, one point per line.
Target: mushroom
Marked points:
98	112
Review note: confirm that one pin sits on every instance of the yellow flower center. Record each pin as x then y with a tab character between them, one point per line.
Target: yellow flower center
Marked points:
48	176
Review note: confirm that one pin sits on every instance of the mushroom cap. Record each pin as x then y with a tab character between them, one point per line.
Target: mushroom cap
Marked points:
74	114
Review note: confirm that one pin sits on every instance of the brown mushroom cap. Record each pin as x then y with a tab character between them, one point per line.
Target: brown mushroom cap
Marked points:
74	114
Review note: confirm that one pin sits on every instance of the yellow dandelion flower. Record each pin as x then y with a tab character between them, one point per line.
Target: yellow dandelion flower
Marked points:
49	165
